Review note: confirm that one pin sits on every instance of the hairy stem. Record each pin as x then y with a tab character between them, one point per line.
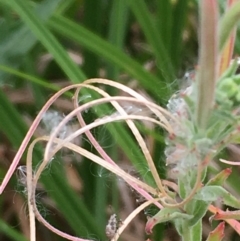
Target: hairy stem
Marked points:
208	62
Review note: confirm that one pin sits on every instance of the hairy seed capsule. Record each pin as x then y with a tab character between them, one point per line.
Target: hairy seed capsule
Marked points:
112	226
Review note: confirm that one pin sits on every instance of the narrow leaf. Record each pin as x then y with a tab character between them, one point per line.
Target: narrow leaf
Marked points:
220	178
11	232
182	188
119	17
212	193
180	14
228	49
33	79
230	71
164	215
228	23
113	55
153	37
198	212
218	233
47	39
196	231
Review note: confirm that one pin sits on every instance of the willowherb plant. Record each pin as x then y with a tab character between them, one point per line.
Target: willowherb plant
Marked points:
200	121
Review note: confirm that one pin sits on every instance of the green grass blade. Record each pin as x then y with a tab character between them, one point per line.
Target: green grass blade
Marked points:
153	37
119	16
11	232
72	208
48	40
179	21
118	26
17	41
39	94
28	77
64	6
74	31
92	21
107	51
124	140
164	22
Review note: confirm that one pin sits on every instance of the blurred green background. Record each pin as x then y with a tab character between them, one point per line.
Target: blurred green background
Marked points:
44	45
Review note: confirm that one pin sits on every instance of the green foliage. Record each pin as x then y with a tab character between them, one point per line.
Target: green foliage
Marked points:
104	39
212	193
198	209
10	232
29	30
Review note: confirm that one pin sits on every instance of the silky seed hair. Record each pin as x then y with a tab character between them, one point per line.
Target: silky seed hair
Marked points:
112	226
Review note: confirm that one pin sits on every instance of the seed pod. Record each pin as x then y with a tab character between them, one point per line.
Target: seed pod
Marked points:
112	226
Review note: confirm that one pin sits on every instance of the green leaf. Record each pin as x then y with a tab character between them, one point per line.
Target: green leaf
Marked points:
75	74
16	43
227	23
187	233
212	193
92	18
33	79
179	21
196	231
11	232
47	39
119	17
19	41
220	178
153	37
186	182
182	188
113	55
165	215
198	209
164	21
229	72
